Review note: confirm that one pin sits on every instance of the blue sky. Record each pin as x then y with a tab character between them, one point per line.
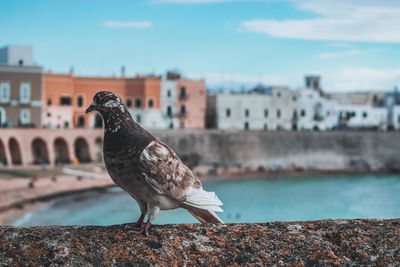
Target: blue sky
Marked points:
352	44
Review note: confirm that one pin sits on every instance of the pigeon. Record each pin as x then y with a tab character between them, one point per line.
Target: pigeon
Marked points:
148	169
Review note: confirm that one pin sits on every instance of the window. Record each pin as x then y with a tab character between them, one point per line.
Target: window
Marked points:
278	94
303	112
365	114
138	119
169	93
171	125
151	103
66	124
294	98
266	113
265	126
49	114
278	113
228	112
183	92
49	102
169	111
278	127
294	114
246	125
138	103
81	121
80	101
25	116
25	92
98	121
129	103
183	110
5	92
65	101
246	112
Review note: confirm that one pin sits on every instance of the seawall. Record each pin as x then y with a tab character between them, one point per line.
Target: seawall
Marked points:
366	151
313	243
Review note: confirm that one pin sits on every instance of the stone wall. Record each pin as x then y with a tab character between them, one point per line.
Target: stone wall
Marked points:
364	151
315	243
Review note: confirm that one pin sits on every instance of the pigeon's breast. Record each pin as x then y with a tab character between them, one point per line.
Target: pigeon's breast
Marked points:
122	167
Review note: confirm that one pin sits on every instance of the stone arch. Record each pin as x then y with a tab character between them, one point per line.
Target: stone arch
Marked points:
39	151
3	157
82	150
99	149
15	152
61	151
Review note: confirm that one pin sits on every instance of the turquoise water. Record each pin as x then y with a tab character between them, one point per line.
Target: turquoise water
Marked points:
250	200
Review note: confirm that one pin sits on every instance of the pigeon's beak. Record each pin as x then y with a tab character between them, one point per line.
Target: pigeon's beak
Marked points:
91	108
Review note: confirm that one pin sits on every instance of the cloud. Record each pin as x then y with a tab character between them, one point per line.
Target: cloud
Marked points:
127	24
344	53
339	20
361	79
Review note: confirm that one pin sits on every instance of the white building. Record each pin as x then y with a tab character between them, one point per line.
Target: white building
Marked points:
316	112
363	116
273	109
396	117
169	102
16	55
149	119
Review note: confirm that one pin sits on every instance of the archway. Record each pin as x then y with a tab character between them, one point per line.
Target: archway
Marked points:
39	151
15	151
3	158
99	149
61	151
82	150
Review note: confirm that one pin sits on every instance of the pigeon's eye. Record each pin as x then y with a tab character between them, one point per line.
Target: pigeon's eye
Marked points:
106	98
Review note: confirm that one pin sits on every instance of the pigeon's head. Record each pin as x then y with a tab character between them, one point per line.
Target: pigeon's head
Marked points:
105	101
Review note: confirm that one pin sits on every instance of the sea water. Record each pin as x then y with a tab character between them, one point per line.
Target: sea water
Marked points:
245	200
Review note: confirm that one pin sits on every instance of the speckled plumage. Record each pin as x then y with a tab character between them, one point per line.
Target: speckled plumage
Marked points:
146	168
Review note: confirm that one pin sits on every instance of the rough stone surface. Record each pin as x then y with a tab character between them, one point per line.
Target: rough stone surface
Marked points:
328	242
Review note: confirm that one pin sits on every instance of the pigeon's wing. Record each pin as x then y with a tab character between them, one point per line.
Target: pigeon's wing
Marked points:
166	173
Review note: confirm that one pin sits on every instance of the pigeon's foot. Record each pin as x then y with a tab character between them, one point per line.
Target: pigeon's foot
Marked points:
144	229
136	225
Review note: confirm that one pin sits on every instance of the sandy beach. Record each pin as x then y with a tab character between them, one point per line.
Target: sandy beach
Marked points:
16	197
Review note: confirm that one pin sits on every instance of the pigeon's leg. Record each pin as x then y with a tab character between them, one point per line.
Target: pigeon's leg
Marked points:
139	224
151	215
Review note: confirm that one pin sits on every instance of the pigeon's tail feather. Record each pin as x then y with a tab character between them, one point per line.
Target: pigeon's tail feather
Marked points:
204	216
203	205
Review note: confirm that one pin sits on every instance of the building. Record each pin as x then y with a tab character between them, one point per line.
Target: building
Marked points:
16	55
67	97
395	120
20	96
183	102
362	117
259	109
191	104
317	112
169	100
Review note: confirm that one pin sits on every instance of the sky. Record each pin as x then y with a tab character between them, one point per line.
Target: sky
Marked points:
354	45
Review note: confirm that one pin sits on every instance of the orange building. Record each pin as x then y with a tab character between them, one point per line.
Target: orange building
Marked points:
66	97
191	104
